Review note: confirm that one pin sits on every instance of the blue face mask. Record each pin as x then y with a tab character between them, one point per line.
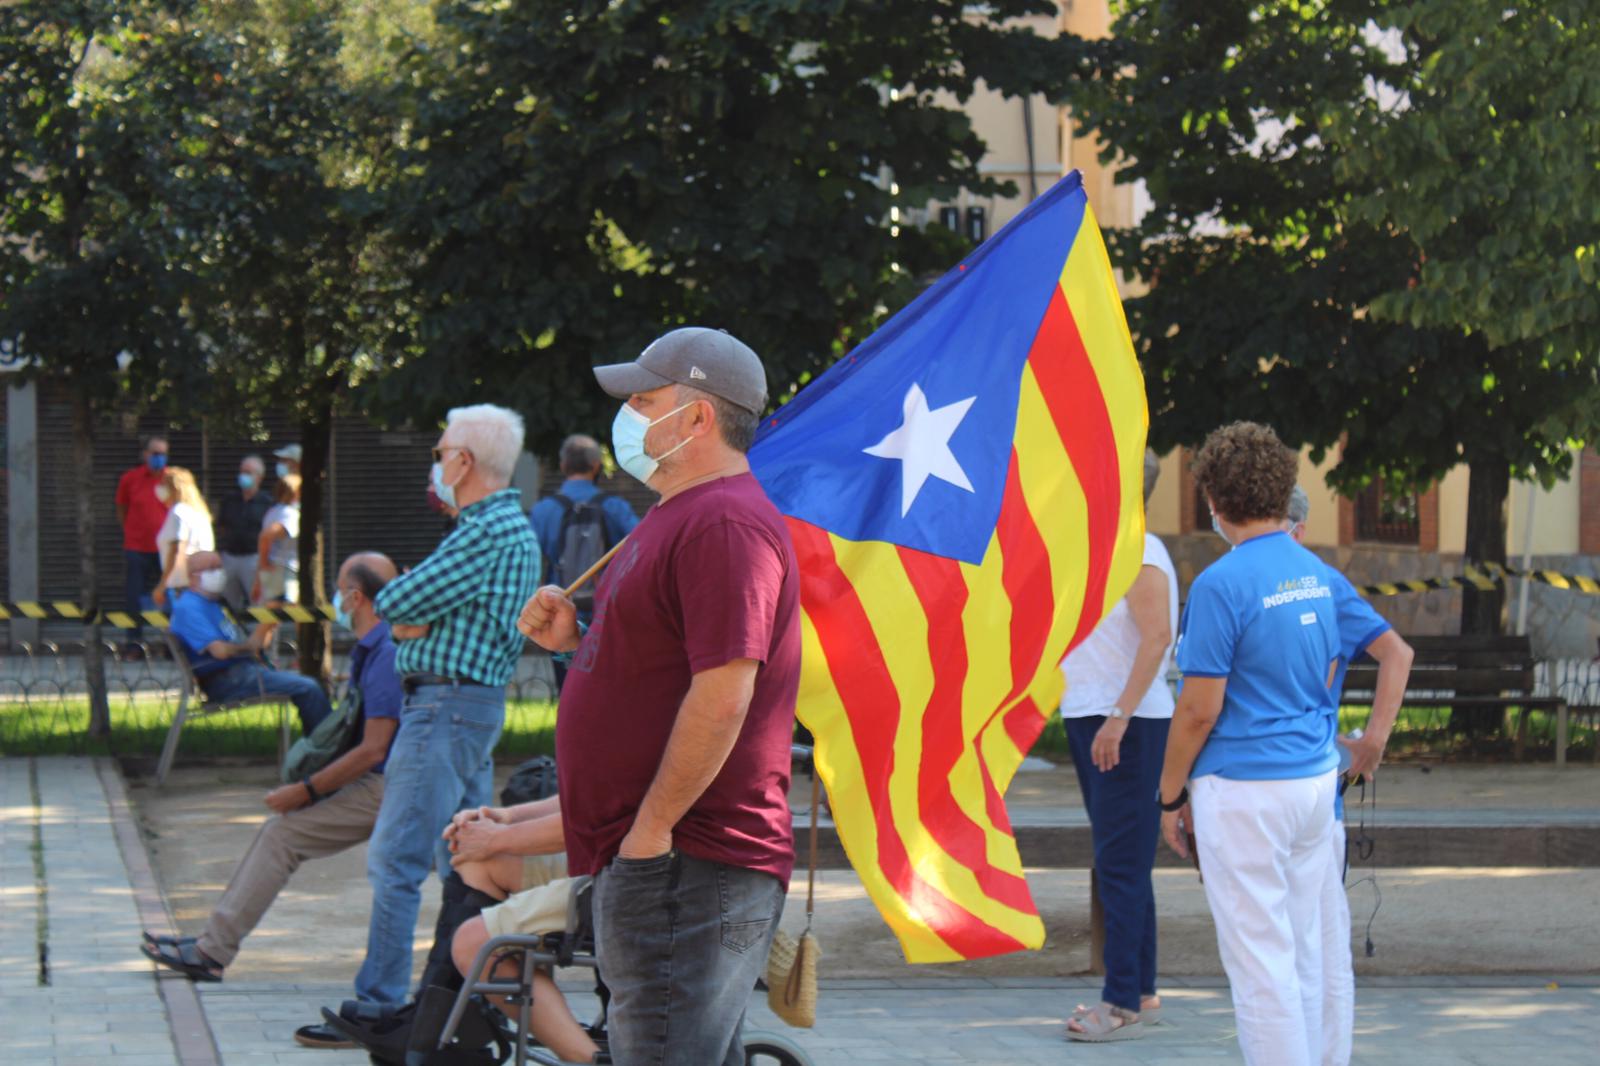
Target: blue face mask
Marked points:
246	481
1216	527
341	617
627	442
446	493
282	469
157	461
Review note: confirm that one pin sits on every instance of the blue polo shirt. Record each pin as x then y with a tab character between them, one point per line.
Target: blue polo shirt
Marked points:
197	621
1263	617
546	515
372	669
1359	626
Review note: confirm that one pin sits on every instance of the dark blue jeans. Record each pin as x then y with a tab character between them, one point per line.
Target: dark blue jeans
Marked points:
140	572
244	679
681	942
1126	825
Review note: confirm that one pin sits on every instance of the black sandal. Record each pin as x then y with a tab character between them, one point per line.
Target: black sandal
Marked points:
184	956
161	938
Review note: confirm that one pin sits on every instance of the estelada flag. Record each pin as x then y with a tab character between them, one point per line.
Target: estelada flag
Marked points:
964	491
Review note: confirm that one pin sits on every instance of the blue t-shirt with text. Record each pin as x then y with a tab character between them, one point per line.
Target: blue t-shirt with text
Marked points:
1264	618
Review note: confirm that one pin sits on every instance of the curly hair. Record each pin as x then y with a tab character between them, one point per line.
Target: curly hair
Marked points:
1246	472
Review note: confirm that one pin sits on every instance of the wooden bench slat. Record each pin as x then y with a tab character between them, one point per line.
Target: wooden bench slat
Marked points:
1467	682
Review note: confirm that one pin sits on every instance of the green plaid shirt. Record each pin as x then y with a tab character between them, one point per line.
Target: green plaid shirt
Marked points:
469	593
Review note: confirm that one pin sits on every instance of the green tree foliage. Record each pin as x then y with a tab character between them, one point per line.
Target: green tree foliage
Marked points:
108	118
1352	203
584	175
306	289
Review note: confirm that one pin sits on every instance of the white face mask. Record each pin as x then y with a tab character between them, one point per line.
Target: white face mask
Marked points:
212	582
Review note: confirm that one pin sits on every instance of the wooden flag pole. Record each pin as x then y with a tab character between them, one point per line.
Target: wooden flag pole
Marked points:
588	575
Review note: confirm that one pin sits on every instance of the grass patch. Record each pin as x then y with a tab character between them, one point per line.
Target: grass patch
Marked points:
59	726
139	727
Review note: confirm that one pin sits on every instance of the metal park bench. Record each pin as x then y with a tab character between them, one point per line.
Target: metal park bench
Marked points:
193	704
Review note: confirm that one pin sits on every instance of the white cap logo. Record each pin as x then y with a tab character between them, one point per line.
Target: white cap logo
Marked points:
696	373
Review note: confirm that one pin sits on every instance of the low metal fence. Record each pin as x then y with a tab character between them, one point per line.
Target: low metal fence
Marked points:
44	704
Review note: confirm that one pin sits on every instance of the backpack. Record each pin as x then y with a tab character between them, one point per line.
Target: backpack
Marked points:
333	736
532	780
580	542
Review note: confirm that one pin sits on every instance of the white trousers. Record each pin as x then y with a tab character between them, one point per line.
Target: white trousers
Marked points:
1338	971
1266	853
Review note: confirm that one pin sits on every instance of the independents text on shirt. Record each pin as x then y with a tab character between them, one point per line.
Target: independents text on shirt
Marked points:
1294	591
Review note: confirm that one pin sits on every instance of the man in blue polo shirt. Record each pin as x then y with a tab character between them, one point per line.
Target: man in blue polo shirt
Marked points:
227	665
326	812
1361	630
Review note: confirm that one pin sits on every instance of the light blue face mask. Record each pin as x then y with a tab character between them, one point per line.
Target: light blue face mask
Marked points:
446	493
341	617
1216	527
627	442
246	481
282	469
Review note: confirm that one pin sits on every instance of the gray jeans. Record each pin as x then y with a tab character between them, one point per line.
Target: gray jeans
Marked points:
241	571
681	942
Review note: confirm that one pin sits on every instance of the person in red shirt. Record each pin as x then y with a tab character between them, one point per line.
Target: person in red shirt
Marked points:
673	735
141	513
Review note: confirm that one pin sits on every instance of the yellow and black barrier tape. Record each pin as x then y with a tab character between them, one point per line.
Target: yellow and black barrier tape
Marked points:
1486	577
57	610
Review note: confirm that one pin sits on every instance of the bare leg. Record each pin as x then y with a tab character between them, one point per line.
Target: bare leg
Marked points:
551	1020
499	876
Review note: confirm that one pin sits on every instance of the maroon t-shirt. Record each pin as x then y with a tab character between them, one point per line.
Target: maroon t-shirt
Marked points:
709	576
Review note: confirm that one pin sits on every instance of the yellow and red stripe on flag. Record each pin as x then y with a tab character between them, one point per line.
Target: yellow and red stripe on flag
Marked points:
927	676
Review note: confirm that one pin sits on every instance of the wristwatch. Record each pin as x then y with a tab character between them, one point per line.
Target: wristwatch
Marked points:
1116	712
1175	805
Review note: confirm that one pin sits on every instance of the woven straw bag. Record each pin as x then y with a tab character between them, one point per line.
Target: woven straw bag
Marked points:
792	964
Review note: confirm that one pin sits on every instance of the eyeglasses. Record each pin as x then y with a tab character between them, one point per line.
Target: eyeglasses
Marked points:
439	453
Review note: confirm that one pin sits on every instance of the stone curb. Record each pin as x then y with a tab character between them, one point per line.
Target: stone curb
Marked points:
191	1033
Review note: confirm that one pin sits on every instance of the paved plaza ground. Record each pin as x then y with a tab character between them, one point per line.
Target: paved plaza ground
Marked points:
1473	965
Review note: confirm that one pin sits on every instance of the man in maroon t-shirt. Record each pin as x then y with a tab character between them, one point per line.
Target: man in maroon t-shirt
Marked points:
673	736
141	513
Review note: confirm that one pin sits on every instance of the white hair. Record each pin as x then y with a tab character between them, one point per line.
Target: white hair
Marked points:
492	434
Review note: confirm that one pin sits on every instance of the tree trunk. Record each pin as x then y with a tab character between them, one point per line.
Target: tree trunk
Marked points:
1488	484
316	650
94	667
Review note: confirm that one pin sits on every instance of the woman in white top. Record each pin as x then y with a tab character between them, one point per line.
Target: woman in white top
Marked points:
187	530
1116	708
278	556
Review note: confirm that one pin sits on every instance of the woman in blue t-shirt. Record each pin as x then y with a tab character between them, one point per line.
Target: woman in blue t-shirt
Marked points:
1250	765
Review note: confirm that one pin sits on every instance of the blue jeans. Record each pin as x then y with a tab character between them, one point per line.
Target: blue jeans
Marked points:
140	573
1126	824
440	763
681	942
243	679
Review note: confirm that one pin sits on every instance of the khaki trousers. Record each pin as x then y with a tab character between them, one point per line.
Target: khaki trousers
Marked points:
341	821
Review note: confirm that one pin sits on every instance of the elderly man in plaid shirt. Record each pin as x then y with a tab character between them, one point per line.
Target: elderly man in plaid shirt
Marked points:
459	610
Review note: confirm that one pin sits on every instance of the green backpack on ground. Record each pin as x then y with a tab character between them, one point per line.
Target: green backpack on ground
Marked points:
333	736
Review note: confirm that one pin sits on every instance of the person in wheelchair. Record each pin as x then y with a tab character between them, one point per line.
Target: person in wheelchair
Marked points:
514	854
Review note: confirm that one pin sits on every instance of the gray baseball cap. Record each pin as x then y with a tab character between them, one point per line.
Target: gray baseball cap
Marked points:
711	360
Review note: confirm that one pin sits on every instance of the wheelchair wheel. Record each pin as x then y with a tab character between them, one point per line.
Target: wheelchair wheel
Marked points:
770	1049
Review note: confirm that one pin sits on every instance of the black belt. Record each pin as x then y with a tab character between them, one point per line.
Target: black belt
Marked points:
411	682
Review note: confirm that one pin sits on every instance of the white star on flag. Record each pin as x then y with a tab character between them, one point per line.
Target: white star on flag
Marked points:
922	444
